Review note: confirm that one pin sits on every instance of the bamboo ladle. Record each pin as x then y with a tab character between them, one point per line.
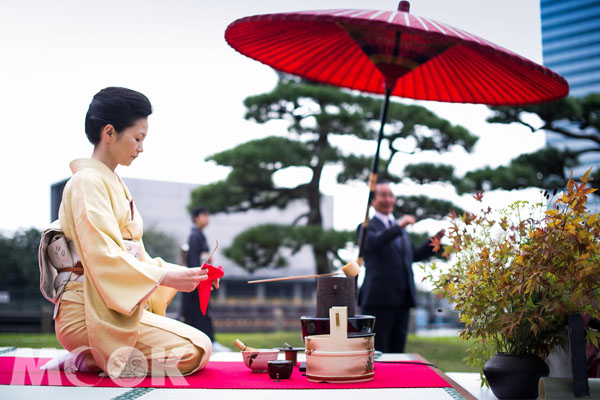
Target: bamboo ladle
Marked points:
350	270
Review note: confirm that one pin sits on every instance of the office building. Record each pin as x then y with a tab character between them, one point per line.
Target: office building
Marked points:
571	47
571	42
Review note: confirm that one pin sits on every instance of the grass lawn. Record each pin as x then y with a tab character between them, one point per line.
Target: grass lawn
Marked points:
445	352
34	340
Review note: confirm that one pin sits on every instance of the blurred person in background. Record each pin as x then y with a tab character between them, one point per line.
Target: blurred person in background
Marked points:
195	253
388	290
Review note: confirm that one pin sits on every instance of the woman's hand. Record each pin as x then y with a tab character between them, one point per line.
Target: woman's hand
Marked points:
185	280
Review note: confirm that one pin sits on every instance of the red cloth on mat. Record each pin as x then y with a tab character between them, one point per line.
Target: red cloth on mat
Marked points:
217	375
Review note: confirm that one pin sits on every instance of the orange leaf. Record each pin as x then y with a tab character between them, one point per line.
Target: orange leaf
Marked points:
435	243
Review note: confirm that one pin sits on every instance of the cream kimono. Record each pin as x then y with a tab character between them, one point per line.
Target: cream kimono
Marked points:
97	213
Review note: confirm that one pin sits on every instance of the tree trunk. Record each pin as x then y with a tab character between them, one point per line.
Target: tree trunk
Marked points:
316	219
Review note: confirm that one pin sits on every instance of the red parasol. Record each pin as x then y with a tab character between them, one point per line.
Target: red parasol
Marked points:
393	53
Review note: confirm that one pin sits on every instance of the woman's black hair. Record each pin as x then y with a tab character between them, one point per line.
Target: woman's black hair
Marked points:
117	106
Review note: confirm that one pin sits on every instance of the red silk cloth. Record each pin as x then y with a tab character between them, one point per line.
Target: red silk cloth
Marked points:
217	375
205	287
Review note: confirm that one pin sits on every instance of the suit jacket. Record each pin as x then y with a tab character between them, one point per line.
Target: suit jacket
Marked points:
197	246
389	254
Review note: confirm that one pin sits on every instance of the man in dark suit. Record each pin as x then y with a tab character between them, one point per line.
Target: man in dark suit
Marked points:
388	291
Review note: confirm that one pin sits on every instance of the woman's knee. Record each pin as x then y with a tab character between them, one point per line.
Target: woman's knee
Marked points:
191	359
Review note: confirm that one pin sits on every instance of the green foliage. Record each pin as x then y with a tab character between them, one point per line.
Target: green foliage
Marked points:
544	168
429	172
423	207
19	259
297	102
565	108
571	118
517	274
269	154
358	168
250	183
258	247
160	244
428	130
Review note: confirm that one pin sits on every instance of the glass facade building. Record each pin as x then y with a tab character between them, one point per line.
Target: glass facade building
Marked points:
571	42
571	47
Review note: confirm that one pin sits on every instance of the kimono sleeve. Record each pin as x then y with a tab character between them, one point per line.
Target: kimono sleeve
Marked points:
122	281
163	295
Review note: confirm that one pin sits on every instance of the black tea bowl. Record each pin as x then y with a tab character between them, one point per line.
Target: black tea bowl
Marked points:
280	369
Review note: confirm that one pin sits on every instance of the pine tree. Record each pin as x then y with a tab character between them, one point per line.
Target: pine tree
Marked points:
316	115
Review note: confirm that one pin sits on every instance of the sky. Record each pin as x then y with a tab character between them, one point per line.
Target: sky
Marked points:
55	55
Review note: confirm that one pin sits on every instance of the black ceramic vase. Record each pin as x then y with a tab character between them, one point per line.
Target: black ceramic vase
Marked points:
515	377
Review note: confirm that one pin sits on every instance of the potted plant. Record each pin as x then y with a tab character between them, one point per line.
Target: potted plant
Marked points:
517	274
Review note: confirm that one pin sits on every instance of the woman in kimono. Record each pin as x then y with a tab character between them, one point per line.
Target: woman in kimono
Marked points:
112	309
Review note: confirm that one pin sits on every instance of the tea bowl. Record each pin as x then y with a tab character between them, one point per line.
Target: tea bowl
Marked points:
280	369
257	360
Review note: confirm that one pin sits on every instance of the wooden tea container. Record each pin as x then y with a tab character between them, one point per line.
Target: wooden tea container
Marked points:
337	357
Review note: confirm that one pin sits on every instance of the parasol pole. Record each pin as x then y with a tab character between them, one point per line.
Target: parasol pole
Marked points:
390	80
373	176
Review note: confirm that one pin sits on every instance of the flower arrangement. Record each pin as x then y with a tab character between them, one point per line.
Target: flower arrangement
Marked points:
518	273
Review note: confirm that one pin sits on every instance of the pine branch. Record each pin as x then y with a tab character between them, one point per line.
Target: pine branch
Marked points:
588	150
564	132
